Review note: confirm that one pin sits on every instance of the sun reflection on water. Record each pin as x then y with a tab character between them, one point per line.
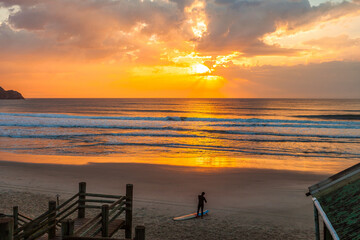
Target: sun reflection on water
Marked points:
205	163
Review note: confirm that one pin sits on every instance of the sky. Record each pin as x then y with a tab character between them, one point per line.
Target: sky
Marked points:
180	48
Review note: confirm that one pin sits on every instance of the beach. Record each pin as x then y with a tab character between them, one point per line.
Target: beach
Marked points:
243	203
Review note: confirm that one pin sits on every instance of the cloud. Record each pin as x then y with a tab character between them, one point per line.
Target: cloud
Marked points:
340	47
107	27
92	28
182	3
325	80
9	3
341	41
15	43
238	25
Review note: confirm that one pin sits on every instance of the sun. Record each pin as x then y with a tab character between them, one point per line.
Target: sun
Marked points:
199	69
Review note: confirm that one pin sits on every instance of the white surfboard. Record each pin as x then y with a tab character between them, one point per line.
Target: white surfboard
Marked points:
189	216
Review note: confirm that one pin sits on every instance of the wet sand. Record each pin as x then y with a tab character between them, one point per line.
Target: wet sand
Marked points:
243	203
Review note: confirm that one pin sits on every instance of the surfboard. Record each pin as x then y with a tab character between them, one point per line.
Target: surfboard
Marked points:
189	216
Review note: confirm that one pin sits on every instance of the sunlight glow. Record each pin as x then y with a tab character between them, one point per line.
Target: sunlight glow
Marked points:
335	40
272	38
213	162
197	18
181	57
199	69
223	60
4	14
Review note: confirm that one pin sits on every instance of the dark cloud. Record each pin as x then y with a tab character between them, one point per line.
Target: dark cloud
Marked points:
182	3
9	3
237	25
101	27
68	14
16	43
30	19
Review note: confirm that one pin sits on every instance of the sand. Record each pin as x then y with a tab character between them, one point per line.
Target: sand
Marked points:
243	203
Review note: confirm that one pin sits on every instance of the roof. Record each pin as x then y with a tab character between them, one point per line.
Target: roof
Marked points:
339	197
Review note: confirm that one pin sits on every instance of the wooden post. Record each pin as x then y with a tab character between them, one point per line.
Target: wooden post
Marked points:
16	217
82	192
57	199
105	220
6	228
139	233
27	229
128	212
64	229
317	227
52	220
67	228
71	227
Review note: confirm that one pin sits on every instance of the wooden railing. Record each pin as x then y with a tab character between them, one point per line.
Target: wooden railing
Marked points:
6	231
112	206
46	222
19	218
101	222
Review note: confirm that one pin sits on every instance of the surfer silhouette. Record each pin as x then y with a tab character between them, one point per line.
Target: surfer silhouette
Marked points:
202	199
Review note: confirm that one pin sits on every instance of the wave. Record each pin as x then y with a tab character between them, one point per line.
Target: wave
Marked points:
175	118
212	131
66	116
72	125
337	116
287	125
280	134
73	149
291	109
160	135
217	148
69	136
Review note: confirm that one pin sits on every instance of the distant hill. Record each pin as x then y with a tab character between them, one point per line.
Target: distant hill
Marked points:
10	94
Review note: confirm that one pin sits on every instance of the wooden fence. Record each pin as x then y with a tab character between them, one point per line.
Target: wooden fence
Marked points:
55	221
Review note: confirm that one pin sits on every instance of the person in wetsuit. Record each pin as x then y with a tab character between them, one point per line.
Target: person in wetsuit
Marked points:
202	199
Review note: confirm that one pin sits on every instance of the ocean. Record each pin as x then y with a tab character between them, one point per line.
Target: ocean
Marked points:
319	135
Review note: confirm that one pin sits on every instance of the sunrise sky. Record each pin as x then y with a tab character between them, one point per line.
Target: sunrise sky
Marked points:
180	48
